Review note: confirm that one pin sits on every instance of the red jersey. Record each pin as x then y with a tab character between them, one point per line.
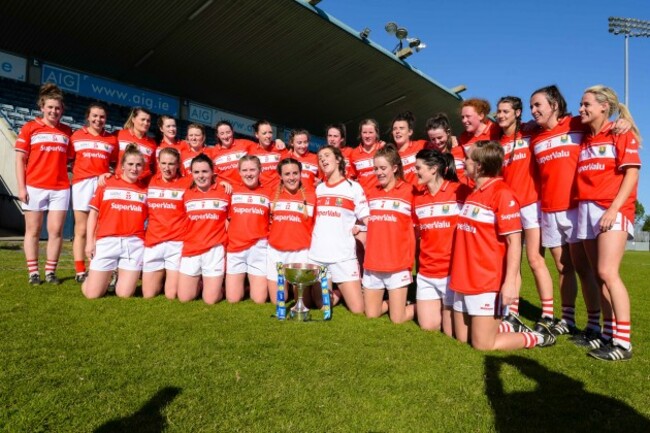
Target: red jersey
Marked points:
122	208
310	171
407	154
269	159
249	217
436	216
349	169
363	166
207	213
187	155
292	220
47	150
390	246
147	147
166	211
92	154
601	167
519	169
556	152
226	160
179	145
459	161
478	261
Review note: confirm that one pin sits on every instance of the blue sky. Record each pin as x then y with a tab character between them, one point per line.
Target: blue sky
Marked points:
512	47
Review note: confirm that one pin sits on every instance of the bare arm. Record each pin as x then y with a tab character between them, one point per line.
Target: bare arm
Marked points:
630	180
21	162
91	225
509	290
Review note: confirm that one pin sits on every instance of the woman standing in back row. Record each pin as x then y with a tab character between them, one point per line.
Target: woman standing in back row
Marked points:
42	150
608	176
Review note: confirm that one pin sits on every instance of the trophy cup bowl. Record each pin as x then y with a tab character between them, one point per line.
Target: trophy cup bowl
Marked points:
301	275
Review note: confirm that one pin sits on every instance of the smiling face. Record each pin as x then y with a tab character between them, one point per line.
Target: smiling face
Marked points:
401	133
290	177
141	123
132	168
169	129
250	173
264	135
591	111
369	135
168	166
424	173
202	175
471	119
96	119
334	138
438	138
328	162
225	135
195	138
506	115
52	110
300	144
385	172
540	108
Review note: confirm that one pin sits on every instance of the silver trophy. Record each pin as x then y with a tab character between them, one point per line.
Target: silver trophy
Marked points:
301	275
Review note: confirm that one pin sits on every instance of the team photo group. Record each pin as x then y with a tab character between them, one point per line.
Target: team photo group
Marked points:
451	215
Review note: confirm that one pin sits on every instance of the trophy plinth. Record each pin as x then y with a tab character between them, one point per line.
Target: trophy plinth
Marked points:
301	275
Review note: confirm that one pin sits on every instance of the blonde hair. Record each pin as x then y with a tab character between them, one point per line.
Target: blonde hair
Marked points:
606	95
133	114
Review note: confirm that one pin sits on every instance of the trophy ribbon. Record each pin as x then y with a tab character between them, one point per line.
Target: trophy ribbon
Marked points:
280	307
327	308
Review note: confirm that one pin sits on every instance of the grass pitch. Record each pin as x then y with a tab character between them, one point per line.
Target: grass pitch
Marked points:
133	365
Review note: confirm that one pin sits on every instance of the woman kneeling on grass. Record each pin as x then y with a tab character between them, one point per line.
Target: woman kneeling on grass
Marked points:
115	237
206	206
487	256
390	246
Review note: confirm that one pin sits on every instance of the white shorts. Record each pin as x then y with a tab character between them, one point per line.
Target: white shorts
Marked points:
251	261
274	256
208	264
559	228
386	280
47	199
118	252
531	216
484	304
82	192
589	215
165	255
431	289
341	272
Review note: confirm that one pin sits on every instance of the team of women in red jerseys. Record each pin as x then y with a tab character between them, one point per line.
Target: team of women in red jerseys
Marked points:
213	222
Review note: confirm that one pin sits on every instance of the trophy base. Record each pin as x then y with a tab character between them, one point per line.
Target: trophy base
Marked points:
300	315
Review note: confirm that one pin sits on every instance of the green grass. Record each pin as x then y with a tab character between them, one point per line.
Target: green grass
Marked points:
72	365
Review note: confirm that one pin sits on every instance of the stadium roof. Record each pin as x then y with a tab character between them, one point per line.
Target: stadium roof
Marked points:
283	60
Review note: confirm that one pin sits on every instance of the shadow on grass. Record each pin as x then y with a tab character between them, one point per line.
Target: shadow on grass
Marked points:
148	419
530	311
558	403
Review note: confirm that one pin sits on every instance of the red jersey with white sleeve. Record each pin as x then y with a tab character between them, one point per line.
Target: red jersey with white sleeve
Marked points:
338	207
601	167
92	154
226	160
179	145
187	155
407	154
269	159
47	151
363	166
166	211
390	246
122	208
292	220
436	217
249	217
310	171
206	213
519	168
147	147
478	261
556	152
